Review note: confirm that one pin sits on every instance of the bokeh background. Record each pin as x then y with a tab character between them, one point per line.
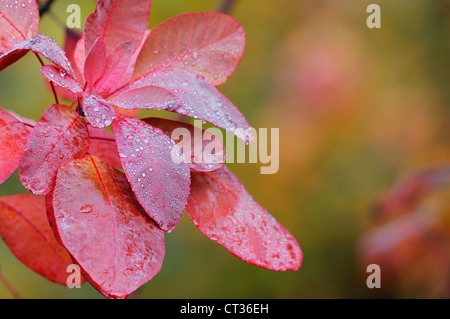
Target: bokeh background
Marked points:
364	118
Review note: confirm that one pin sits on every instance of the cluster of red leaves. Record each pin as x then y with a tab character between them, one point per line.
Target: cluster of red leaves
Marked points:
410	234
112	224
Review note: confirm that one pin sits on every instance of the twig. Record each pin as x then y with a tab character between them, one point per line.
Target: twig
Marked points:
226	6
9	287
51	83
45	7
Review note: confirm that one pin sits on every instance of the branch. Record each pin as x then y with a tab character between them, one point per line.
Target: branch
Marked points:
45	7
9	287
226	6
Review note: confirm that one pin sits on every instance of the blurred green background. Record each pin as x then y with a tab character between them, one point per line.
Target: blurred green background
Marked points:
356	108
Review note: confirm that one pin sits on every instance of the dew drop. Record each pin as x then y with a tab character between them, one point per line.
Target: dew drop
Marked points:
86	209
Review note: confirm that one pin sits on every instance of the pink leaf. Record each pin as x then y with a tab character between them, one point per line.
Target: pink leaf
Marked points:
153	165
18	21
95	62
208	44
13	136
104	228
60	136
49	49
39	44
11	57
79	55
61	79
148	97
25	229
199	152
103	145
117	20
223	210
98	111
115	67
199	99
130	69
70	43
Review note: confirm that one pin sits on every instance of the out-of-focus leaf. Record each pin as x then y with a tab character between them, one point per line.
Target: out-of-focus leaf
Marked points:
13	136
25	229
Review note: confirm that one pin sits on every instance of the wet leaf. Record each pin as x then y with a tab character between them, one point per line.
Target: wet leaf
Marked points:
26	231
222	209
115	66
103	145
19	20
198	99
61	79
60	136
94	64
111	22
98	111
104	228
203	151
155	168
207	44
13	136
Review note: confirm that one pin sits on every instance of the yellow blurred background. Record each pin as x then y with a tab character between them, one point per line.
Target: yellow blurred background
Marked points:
357	108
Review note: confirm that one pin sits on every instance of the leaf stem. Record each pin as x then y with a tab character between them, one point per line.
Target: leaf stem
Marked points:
51	83
9	287
108	139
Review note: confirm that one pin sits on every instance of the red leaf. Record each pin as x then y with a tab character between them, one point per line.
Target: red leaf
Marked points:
70	43
199	99
149	160
223	210
98	111
25	229
412	188
60	136
39	44
198	156
208	44
79	55
11	57
18	21
129	72
61	79
148	97
95	62
104	228
13	136
117	20
103	145
115	67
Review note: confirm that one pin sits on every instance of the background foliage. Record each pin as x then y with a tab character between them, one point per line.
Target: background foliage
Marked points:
357	108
